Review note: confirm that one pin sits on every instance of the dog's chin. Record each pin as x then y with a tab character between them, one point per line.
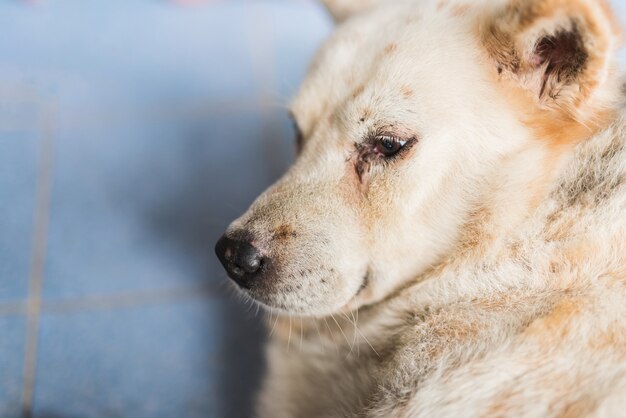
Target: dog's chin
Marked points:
313	310
296	305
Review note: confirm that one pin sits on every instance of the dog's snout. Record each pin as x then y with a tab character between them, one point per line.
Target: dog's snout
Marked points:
241	259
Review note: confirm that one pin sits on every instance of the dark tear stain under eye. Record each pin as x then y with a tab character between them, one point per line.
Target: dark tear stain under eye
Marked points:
360	167
364	157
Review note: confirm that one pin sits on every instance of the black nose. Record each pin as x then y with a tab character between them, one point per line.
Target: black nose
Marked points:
240	258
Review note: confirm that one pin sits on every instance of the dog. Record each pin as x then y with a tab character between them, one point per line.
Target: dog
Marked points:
451	239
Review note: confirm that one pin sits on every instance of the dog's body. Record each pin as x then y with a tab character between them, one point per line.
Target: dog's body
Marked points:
451	240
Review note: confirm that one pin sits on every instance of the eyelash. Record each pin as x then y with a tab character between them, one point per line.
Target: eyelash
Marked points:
389	147
380	146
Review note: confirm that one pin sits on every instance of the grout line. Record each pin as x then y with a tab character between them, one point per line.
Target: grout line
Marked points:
115	300
42	214
127	300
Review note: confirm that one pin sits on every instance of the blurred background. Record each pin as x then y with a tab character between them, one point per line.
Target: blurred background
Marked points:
131	133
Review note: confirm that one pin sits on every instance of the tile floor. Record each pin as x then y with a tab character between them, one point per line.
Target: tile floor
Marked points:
131	133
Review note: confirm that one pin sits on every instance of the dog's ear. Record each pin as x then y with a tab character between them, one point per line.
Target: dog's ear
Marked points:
342	9
560	52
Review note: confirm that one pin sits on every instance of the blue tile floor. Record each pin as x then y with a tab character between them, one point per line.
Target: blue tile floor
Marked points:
131	133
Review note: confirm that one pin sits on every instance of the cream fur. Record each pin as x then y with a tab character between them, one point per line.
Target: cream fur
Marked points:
483	272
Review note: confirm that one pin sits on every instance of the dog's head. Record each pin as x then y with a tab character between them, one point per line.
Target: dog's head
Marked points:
406	116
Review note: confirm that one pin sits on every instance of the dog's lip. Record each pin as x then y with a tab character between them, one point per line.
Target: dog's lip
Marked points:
251	292
237	275
365	282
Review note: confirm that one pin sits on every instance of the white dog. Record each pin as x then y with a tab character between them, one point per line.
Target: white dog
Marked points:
451	241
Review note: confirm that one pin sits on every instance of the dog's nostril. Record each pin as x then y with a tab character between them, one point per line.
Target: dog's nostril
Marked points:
240	258
228	254
236	270
248	258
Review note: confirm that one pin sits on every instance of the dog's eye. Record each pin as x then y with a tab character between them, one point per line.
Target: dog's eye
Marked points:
388	146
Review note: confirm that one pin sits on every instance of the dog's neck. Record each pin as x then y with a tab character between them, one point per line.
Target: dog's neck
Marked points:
517	187
525	187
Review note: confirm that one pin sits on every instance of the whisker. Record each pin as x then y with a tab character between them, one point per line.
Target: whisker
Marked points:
318	330
248	305
356	327
343	333
268	318
368	343
301	332
358	330
354	337
331	335
274	326
289	339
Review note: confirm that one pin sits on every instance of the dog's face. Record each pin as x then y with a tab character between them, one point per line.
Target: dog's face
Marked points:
405	116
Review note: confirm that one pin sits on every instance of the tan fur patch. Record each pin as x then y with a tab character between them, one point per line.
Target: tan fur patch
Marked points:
442	4
407	92
475	234
358	91
285	231
556	126
460	9
579	408
390	48
555	325
612	339
502	405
